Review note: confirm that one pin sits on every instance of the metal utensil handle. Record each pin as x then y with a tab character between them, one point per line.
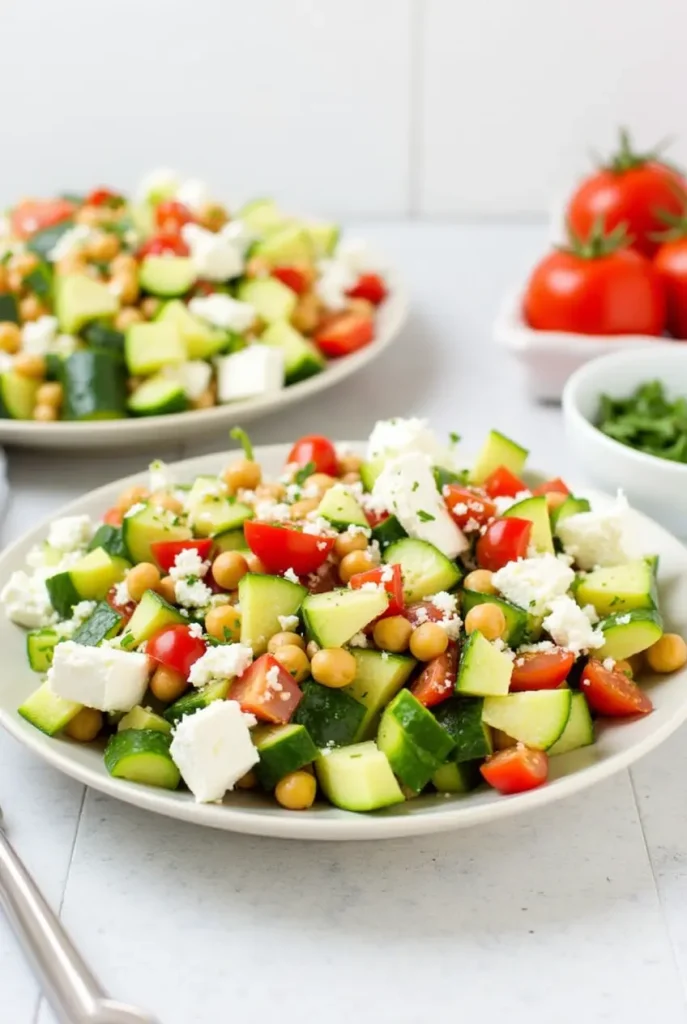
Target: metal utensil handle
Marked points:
71	989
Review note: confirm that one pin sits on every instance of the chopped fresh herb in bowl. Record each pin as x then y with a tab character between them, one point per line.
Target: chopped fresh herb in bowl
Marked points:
647	421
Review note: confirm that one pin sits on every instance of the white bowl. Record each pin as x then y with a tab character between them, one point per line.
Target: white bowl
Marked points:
549	357
656	486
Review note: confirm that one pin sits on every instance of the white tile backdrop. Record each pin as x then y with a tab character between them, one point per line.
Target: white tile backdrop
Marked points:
382	108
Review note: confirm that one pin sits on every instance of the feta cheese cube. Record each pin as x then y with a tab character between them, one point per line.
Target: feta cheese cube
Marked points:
70	533
194	194
570	626
333	282
38	336
256	370
215	257
213	749
407	487
222	662
99	677
194	376
160	476
600	538
27	602
533	583
400	436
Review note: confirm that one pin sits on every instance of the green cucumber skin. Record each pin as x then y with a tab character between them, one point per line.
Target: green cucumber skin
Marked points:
281	758
422	728
40	648
110	539
42	242
9	308
63	593
457	778
517	619
102	335
196	701
388	532
94	385
104	622
131	744
331	717
462	719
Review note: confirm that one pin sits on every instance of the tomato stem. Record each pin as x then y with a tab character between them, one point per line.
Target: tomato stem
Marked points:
598	243
626	158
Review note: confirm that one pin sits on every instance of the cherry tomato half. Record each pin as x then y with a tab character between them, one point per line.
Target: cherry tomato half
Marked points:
555	486
104	197
370	287
280	548
345	333
516	769
126	610
503	484
467	507
114	516
610	692
174	647
541	670
316	449
393	586
269	699
298	279
36	214
504	540
164	245
166	551
438	679
171	215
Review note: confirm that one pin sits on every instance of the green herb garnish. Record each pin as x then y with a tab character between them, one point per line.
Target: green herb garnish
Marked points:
647	421
425	517
304	472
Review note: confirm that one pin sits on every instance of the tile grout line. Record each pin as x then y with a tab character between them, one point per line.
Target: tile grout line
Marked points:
657	889
415	105
41	997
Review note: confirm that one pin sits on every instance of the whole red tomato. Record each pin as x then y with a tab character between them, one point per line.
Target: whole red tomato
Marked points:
596	287
671	263
633	189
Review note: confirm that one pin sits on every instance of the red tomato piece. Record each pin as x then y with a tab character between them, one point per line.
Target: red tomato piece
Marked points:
165	551
36	214
126	610
370	287
516	769
104	197
298	279
422	611
281	548
671	263
438	679
504	540
271	700
612	693
114	516
171	215
164	245
503	484
555	486
315	449
325	578
468	507
541	670
174	647
393	586
345	333
375	518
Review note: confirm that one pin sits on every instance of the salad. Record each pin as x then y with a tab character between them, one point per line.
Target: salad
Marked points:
362	630
113	307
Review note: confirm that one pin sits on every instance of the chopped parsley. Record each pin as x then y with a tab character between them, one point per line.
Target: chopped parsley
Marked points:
304	472
454	438
415	486
425	517
647	421
127	641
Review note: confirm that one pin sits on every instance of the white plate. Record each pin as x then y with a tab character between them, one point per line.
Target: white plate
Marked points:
618	745
151	430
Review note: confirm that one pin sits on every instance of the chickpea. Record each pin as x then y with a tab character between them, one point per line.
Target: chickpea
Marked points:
345	543
23	263
150	307
30	366
255	564
322	481
165	588
50	393
132	496
212	216
206	399
257	267
142	577
163	499
45	413
15	281
349	464
625	667
392	634
126	317
488	619
4	282
228	569
668	654
554	499
223	623
247	781
296	791
167	684
351	565
127	287
285	640
350	478
103	247
31	308
10	337
362	307
311	649
88	215
307	313
276	491
300	509
294	660
334	667
85	726
243	473
124	264
74	263
428	641
481	581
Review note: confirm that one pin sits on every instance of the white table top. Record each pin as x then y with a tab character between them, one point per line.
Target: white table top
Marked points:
577	912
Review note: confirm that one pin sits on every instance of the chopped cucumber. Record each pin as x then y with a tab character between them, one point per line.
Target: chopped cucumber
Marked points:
517	619
282	749
262	216
217	515
9	308
332	717
483	670
143	718
618	588
142	755
167	276
323	237
579	729
40	647
149	347
47	711
570	507
232	540
388	532
152	613
148	525
424	568
629	632
201	340
43	242
263	600
101	334
457	778
358	778
413	740
102	624
536	511
340	508
110	539
498	450
158	396
196	700
302	359
94	382
369	471
378	678
80	299
461	717
272	300
17	396
333	618
286	246
536	718
89	579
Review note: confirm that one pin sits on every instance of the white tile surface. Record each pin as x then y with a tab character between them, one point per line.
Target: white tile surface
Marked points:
575	903
307	98
516	95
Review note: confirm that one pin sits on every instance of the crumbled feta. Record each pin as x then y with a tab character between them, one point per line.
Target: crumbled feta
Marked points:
334	281
135	509
291	575
272	679
371	586
221	662
65	344
215	257
213	749
407	486
543	645
400	436
255	370
288	622
374	551
268	511
317	526
224	312
451	625
204	487
99	677
70	533
533	583
27	602
387	574
570	626
192	592
504	502
160	476
38	336
188	562
421	615
80	612
121	593
194	194
194	376
358	640
239	234
195	630
599	538
70	242
608	664
503	647
353	530
445	602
